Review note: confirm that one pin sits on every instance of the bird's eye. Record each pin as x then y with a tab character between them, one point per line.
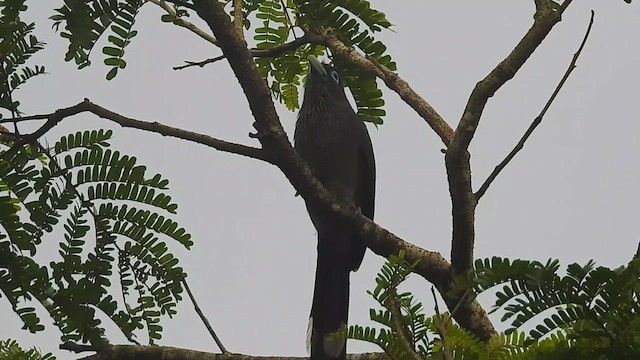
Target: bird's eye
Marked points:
335	76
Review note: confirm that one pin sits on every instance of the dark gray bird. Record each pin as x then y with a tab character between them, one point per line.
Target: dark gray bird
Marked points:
334	142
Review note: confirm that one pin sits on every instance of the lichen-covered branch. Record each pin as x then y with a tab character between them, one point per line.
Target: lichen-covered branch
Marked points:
457	158
141	352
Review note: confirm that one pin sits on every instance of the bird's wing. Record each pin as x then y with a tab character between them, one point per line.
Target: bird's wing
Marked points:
365	194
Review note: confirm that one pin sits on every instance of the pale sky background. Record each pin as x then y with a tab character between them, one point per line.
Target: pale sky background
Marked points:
571	194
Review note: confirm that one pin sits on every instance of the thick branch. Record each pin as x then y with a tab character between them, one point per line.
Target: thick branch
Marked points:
141	352
538	118
274	140
457	156
87	106
238	20
270	133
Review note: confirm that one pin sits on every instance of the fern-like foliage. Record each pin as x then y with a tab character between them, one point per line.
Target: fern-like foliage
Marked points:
404	329
85	22
109	219
596	319
271	24
11	350
589	302
408	333
352	21
18	44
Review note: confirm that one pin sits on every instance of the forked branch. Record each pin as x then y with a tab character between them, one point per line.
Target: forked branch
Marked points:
538	119
457	158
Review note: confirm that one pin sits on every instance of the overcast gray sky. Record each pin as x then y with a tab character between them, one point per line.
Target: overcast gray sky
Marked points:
571	194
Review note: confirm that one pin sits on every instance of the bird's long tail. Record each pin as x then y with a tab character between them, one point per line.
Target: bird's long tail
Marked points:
330	307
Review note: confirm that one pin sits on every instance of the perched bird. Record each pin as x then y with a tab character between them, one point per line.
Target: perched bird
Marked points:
334	142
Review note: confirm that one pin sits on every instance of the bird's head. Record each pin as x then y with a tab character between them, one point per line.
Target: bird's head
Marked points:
323	86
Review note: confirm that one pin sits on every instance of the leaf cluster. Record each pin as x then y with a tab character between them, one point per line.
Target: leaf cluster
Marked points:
589	313
273	24
107	216
352	21
17	45
85	22
598	308
109	220
11	350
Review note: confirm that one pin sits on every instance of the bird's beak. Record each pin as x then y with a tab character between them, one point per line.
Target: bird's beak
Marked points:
316	65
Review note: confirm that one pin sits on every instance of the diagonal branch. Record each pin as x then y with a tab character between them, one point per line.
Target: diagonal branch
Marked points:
202	317
538	118
457	158
86	106
184	23
432	266
394	307
393	82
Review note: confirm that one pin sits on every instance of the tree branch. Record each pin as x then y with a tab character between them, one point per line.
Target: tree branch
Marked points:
204	319
457	156
268	52
394	307
393	82
199	63
138	352
184	23
275	142
86	106
538	119
238	21
441	327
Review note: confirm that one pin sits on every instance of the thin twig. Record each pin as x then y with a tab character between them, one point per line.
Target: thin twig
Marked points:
447	354
565	4
538	119
24	118
198	63
184	23
203	318
460	302
392	305
269	52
